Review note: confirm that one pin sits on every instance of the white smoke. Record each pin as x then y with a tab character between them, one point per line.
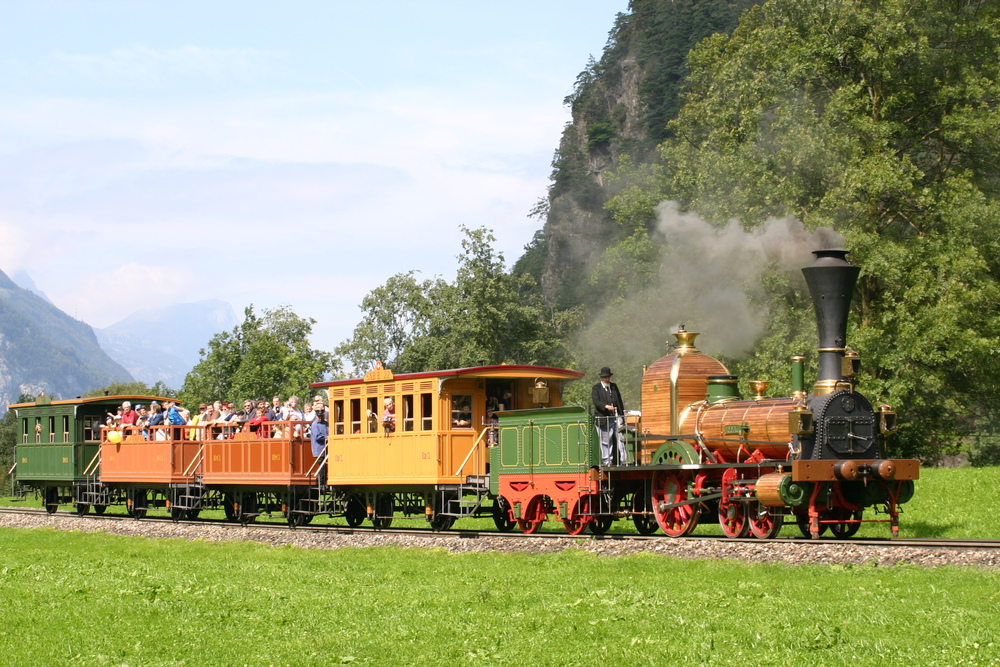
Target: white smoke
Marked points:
711	276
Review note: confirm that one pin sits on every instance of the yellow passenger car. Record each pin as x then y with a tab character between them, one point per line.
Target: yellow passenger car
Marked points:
418	442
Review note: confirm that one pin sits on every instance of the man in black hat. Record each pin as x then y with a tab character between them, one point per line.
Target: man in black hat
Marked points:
608	407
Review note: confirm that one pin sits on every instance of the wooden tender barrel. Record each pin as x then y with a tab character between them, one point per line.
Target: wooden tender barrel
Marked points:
682	374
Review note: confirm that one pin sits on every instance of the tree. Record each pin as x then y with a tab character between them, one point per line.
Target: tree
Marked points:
879	120
132	388
395	314
261	357
487	314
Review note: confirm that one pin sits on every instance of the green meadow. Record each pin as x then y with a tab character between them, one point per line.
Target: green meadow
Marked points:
93	599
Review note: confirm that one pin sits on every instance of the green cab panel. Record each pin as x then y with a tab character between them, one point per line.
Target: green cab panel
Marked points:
546	440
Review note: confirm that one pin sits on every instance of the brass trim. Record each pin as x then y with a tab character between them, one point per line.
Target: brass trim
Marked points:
832	349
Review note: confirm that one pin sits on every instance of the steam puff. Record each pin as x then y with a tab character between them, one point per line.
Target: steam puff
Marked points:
709	280
711	276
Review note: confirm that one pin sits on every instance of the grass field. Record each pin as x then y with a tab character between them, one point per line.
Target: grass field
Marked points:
91	599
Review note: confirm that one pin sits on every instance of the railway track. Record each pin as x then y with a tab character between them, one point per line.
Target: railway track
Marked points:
279	525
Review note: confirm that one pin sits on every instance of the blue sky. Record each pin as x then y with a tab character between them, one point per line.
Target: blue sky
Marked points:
292	153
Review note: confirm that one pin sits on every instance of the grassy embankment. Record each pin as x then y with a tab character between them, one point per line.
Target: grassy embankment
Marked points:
73	598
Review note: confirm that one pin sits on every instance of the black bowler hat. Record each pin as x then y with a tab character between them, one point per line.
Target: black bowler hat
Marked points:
605	372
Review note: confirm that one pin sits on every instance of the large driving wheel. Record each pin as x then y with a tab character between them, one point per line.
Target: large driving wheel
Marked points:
532	516
764	524
501	515
670	488
847	523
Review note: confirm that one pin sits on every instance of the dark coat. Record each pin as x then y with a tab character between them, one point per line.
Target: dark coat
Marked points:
601	397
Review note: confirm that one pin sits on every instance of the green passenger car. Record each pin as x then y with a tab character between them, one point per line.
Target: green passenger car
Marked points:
58	442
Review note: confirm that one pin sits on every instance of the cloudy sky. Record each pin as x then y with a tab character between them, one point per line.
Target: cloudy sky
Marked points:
270	153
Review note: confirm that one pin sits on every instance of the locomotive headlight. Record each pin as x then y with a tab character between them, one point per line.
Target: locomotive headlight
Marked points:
850	365
887	420
800	421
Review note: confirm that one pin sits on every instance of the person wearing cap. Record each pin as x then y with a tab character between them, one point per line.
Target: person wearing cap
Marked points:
608	407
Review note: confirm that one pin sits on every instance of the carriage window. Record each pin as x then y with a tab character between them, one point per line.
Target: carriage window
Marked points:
91	429
408	413
355	415
373	415
461	411
24	431
338	418
65	428
426	412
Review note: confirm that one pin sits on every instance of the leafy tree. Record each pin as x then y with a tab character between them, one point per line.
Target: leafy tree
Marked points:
132	388
395	315
486	314
878	119
263	356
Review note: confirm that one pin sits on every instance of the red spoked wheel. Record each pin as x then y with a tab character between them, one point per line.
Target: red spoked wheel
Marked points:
580	517
732	514
764	524
532	516
669	488
733	519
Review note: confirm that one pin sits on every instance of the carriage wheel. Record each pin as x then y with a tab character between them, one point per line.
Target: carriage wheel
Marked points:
137	508
501	515
51	498
733	519
354	512
177	513
581	517
764	524
82	508
533	516
230	507
644	522
99	509
847	522
671	487
191	515
248	508
441	522
384	508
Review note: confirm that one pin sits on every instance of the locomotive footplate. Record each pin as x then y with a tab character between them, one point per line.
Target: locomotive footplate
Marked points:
832	470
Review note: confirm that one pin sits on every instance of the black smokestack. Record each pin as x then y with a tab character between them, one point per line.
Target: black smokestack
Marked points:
831	280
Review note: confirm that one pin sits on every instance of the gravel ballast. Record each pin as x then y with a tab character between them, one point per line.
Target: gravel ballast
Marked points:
779	551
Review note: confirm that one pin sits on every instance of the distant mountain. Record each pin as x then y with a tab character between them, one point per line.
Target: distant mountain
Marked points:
163	344
43	348
22	279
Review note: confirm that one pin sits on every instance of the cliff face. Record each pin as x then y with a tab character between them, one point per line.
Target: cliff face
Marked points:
44	349
621	105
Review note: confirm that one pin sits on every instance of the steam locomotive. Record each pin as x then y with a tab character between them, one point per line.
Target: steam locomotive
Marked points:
497	440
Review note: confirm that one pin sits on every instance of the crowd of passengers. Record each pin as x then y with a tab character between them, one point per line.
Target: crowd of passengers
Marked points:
221	420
